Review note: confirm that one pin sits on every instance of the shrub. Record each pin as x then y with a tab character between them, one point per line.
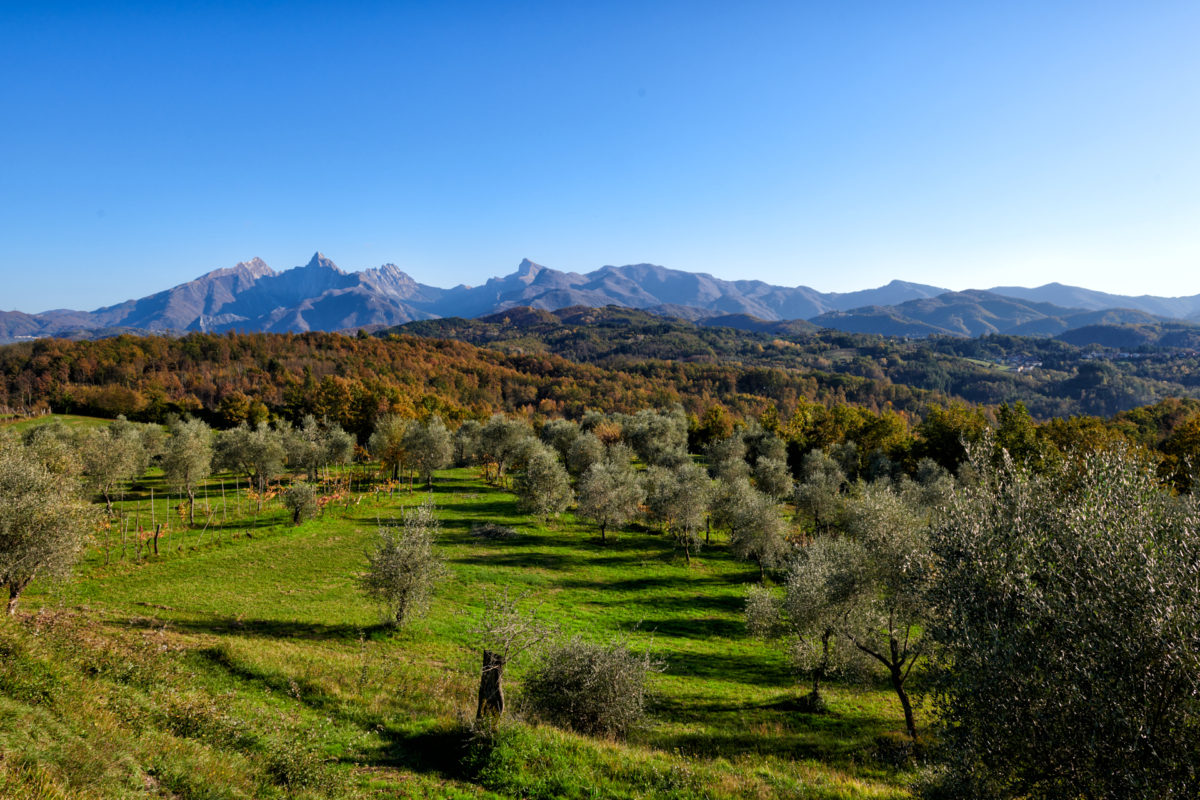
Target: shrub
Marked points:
595	689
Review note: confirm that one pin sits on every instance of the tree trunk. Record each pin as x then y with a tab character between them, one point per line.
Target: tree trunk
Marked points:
14	594
191	507
898	686
157	533
491	688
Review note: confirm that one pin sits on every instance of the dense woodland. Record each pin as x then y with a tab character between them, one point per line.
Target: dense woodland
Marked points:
1101	370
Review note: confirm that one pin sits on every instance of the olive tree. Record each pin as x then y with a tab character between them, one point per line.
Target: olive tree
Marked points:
727	458
428	447
609	494
339	445
585	450
256	452
54	447
818	495
502	632
301	499
773	477
1069	628
756	530
658	438
678	499
313	445
403	566
543	486
111	455
188	458
799	619
560	434
870	586
466	442
304	446
43	520
501	441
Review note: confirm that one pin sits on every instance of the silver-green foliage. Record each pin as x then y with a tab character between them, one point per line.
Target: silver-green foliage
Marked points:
1070	627
773	477
818	496
111	455
387	442
256	452
609	494
301	500
428	447
188	458
543	486
595	689
44	521
678	499
658	437
756	529
869	586
403	567
804	622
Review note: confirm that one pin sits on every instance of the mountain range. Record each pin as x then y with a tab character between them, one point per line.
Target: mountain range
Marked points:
251	296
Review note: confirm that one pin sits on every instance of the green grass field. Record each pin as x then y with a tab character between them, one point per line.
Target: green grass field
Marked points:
244	662
70	420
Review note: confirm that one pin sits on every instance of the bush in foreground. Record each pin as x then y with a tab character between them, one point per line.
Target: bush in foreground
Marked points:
594	689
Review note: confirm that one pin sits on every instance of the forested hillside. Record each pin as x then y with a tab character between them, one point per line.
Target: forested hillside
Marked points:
1091	374
231	378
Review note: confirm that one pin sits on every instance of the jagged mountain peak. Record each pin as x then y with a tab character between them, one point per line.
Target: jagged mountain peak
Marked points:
321	296
320	260
528	270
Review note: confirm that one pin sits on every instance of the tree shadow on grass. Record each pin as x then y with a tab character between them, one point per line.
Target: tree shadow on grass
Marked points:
439	749
749	669
264	628
683	628
783	729
523	559
682	581
730	603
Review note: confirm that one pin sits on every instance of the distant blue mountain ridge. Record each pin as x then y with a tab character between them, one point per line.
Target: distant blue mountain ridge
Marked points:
251	296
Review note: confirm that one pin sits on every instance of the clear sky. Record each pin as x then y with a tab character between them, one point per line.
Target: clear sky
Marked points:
837	145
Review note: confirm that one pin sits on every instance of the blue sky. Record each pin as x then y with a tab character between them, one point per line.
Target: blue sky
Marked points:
837	145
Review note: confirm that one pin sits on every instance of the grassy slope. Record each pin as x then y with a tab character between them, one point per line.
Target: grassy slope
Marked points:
252	666
71	420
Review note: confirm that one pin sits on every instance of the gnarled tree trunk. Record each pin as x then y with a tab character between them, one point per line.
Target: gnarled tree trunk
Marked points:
491	687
